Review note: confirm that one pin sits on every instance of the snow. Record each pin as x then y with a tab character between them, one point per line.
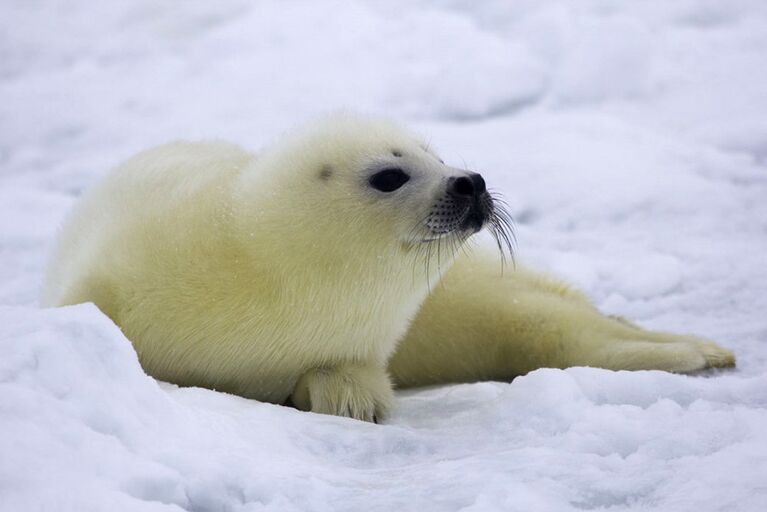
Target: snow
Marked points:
629	138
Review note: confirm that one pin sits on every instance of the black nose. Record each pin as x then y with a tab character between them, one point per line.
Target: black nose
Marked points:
470	186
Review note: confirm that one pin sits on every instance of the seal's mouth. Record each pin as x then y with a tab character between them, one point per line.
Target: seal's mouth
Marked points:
478	213
456	214
465	208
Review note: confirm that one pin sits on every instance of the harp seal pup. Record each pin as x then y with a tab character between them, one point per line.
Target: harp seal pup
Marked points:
290	275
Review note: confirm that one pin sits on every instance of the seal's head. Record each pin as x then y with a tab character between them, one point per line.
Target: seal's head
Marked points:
362	185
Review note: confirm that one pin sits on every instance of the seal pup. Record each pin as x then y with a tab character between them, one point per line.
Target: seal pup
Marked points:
287	275
291	274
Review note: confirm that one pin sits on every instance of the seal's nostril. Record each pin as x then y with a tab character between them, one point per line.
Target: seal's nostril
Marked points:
479	183
471	185
463	186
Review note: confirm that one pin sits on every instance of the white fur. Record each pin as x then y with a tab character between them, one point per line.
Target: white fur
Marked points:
481	325
242	273
286	274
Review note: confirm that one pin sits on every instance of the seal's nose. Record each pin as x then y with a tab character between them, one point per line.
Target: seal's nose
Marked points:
470	186
472	198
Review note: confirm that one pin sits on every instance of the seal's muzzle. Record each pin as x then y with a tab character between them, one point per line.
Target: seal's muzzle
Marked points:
470	194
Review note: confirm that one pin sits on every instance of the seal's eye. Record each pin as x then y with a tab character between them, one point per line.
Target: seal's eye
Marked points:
389	180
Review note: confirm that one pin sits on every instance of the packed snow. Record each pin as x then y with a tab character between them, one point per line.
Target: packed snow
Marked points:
629	138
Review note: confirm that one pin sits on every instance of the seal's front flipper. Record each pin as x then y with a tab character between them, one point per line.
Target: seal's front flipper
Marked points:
359	392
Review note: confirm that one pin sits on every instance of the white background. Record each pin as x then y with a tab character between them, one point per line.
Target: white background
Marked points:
630	139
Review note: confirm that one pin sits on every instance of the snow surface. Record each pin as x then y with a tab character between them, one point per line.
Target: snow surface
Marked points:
629	137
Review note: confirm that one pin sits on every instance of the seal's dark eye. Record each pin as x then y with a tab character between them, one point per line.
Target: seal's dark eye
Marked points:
388	180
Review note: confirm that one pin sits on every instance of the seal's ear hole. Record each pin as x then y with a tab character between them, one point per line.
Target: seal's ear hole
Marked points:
326	172
389	180
396	153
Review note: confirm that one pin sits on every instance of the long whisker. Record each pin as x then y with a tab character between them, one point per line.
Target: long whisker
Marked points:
439	258
450	238
428	265
501	227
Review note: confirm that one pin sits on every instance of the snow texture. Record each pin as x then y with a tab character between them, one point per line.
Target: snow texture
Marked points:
629	137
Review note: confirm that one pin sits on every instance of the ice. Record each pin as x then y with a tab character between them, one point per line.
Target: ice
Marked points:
629	139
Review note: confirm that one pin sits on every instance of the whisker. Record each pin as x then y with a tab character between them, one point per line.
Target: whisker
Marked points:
450	239
501	227
428	265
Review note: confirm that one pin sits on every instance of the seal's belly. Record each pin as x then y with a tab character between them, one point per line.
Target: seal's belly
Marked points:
244	369
234	349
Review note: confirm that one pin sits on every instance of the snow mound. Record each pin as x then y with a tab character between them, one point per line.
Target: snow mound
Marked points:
84	426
